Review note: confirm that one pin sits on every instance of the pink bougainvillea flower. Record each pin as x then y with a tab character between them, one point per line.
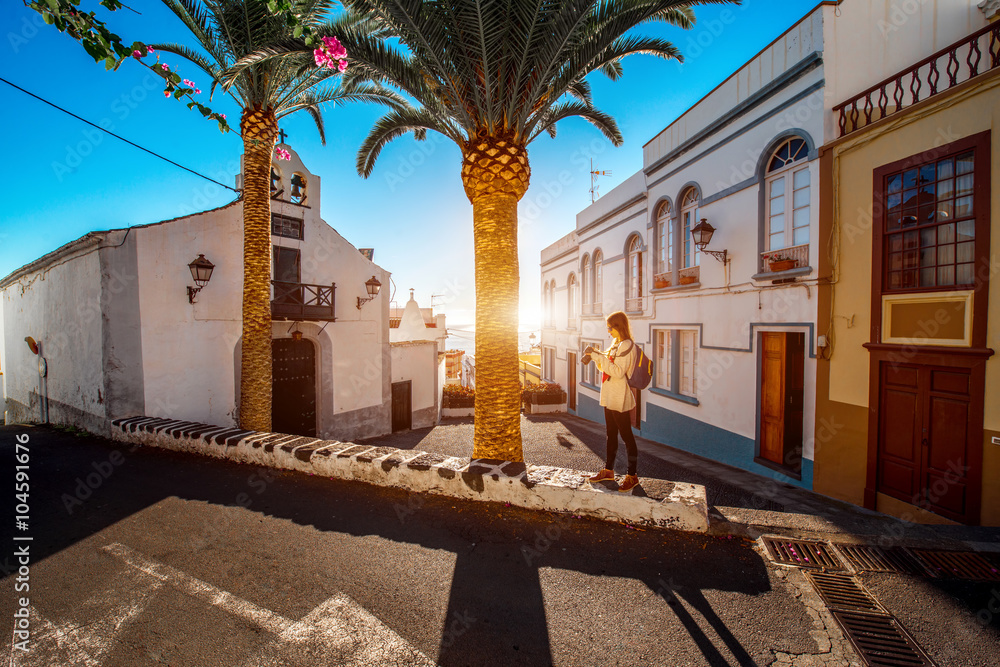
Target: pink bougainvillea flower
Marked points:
150	49
282	154
188	82
334	48
342	66
223	116
320	57
136	55
166	93
164	67
197	91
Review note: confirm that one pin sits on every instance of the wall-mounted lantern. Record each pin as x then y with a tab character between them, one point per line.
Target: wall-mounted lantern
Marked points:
373	286
201	271
702	235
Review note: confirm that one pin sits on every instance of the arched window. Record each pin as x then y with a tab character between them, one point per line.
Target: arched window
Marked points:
664	239
585	284
552	303
788	192
571	297
633	297
275	181
598	290
547	304
689	220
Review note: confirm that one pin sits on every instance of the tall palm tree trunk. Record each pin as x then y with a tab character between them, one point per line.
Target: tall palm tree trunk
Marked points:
259	128
498	384
495	173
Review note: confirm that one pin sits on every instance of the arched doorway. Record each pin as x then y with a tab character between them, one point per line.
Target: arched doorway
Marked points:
293	387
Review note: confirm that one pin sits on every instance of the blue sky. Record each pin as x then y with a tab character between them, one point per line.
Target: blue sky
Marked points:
65	178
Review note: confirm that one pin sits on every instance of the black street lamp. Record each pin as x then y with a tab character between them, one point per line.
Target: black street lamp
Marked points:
201	271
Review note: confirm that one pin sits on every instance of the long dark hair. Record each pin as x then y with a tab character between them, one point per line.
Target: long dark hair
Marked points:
619	320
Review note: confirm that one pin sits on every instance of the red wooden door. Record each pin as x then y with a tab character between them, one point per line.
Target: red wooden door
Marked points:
571	380
924	437
772	397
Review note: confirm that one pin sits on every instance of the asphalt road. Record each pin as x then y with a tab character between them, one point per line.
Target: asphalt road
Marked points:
149	557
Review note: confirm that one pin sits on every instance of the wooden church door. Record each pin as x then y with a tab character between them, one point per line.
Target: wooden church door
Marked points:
293	387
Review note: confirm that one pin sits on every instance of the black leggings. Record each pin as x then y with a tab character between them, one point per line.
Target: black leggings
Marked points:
620	422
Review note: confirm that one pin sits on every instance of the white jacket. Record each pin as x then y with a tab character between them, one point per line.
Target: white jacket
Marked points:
615	392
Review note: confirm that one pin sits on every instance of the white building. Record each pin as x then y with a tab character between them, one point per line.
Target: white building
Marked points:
417	338
122	338
735	343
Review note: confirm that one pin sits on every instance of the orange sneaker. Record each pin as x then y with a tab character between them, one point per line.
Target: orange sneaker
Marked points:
629	483
603	475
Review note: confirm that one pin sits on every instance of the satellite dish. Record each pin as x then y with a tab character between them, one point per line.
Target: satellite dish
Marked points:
32	345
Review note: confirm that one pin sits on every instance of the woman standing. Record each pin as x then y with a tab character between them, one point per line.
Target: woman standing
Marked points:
616	397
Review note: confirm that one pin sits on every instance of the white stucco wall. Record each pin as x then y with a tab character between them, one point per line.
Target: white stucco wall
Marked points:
59	305
417	361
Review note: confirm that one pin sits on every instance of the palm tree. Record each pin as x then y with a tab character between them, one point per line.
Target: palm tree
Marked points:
228	30
492	76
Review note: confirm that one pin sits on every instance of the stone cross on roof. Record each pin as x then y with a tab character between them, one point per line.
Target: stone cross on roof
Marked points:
282	136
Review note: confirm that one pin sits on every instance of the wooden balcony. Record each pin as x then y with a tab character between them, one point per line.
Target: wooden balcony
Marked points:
964	60
302	301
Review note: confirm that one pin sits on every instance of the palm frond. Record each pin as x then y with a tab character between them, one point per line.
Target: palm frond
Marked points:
395	124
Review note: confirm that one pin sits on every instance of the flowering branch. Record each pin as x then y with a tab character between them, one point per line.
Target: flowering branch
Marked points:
107	47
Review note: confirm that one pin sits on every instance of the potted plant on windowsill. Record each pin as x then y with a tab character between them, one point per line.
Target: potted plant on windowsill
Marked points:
659	282
776	263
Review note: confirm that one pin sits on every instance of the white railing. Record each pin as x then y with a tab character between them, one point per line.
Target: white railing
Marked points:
778	260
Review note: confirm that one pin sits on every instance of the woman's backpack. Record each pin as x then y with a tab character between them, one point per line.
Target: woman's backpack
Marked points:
642	369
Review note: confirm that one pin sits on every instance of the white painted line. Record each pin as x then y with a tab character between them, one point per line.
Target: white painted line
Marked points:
340	631
88	644
201	590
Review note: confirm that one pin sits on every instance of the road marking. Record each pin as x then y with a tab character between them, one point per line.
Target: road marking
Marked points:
87	645
338	631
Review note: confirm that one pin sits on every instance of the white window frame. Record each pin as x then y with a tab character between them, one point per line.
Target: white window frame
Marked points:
633	267
571	289
665	238
598	291
589	374
688	220
786	175
676	371
585	283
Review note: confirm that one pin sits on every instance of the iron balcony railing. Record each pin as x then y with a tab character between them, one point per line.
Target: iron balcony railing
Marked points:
302	301
966	59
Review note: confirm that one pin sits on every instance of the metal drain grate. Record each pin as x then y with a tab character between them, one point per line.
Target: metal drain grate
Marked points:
863	557
880	640
840	590
958	565
802	553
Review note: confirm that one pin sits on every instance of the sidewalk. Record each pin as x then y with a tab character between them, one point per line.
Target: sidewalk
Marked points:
740	502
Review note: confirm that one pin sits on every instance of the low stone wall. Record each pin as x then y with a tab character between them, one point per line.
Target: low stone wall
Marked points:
673	505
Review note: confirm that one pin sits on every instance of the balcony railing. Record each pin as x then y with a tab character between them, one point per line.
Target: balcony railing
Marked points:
633	305
785	259
976	54
301	301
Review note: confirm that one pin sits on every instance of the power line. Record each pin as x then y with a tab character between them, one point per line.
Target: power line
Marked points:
56	106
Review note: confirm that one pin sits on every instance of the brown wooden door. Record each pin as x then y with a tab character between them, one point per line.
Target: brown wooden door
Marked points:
571	380
782	396
402	406
772	397
924	437
293	387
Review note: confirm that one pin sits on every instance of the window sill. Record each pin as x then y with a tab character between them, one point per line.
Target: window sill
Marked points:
586	385
690	400
783	275
675	288
777	467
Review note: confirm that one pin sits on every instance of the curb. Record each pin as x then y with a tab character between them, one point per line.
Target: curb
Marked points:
679	506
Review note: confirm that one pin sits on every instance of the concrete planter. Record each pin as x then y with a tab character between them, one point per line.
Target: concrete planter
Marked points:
458	412
544	408
458	403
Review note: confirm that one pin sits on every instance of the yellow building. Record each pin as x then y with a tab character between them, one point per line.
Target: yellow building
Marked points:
908	396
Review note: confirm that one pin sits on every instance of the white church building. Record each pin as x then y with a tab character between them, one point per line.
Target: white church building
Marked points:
114	325
732	325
